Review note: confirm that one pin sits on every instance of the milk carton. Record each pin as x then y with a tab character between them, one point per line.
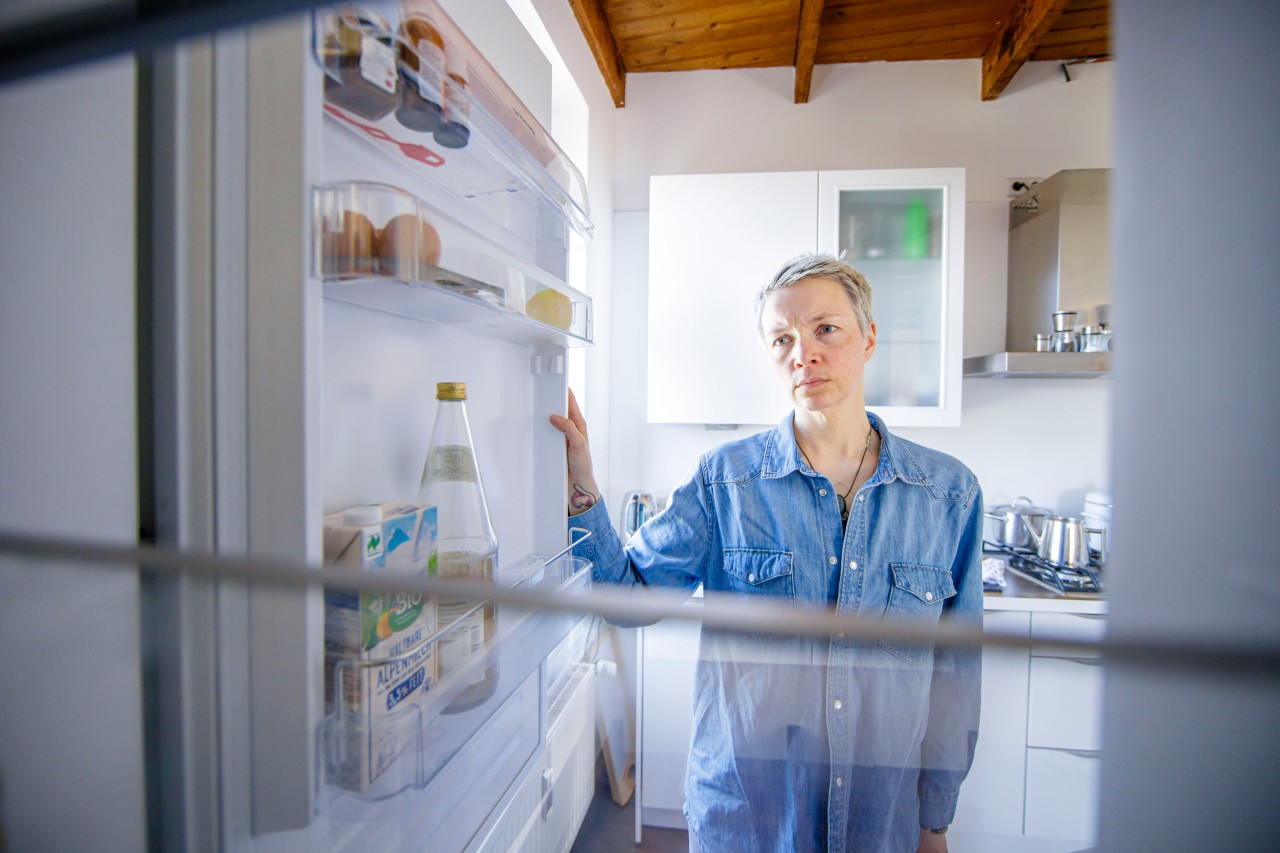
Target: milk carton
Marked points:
377	718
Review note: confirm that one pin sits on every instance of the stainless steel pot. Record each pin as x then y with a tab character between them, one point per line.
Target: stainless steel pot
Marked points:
1017	521
1064	542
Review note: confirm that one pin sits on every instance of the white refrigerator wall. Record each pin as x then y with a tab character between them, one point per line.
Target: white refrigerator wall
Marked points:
69	635
875	116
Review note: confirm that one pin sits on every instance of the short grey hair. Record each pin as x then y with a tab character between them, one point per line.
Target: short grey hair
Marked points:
820	266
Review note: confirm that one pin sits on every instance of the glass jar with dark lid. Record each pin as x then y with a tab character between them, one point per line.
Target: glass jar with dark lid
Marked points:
455	130
422	65
360	63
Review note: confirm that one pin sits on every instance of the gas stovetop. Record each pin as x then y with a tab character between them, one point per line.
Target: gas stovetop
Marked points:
1024	563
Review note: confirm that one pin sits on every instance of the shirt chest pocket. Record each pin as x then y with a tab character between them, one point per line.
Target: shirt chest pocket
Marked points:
916	595
759	572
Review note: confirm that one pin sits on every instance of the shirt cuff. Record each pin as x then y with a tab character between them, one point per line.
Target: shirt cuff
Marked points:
937	809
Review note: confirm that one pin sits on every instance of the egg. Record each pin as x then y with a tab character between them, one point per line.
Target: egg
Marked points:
407	242
351	251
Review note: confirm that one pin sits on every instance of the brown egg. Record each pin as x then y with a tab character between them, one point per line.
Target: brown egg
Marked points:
405	244
351	252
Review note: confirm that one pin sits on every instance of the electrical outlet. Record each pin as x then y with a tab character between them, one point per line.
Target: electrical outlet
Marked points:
1015	186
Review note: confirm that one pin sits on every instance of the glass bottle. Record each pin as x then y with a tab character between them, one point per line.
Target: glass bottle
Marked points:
466	547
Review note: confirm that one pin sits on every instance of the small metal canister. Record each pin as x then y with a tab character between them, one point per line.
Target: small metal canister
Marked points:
1044	343
1093	339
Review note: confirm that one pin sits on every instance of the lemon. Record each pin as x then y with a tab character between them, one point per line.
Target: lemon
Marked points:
550	307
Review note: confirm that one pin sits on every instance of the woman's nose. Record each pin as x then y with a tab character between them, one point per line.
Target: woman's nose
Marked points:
804	354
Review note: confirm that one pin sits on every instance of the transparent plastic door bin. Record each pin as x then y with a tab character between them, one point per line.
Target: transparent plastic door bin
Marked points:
374	232
503	174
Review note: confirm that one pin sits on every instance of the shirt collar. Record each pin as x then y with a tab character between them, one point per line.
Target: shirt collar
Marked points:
782	454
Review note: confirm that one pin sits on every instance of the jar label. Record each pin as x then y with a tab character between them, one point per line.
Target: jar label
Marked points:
431	60
456	108
378	63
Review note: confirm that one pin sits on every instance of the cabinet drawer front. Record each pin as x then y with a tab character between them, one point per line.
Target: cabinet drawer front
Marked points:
1066	626
1065	707
1062	795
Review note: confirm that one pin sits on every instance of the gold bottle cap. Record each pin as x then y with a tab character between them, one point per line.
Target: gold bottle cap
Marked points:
451	390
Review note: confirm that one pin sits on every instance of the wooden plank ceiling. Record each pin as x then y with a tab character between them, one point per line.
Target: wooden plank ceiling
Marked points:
636	36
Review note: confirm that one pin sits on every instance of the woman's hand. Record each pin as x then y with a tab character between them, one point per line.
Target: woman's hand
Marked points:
583	490
931	842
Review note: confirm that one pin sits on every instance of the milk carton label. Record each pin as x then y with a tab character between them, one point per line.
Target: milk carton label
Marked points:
362	628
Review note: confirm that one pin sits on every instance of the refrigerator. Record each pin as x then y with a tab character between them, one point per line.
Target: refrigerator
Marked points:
277	380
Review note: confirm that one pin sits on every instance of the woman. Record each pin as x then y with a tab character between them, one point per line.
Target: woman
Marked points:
801	744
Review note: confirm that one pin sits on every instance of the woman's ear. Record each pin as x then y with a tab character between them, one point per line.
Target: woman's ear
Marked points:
871	342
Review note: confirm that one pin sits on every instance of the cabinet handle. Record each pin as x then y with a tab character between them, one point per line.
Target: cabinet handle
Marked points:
1078	753
1087	661
548	792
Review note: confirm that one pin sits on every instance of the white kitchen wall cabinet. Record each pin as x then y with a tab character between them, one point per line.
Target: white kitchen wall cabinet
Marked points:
715	240
904	230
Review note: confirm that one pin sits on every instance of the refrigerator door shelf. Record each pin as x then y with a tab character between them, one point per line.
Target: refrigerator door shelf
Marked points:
412	747
505	150
382	247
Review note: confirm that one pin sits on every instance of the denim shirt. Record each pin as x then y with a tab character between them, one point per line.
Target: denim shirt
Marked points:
803	744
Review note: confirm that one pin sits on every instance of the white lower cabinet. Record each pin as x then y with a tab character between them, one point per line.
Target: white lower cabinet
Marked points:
1034	780
1062	794
991	797
1064	730
1064	703
669	655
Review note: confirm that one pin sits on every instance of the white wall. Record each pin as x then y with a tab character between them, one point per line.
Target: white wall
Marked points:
1044	438
70	779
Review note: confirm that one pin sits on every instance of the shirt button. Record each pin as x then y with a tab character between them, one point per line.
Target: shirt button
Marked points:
839	781
928	596
751	578
837	704
831	560
822	492
860	497
853	564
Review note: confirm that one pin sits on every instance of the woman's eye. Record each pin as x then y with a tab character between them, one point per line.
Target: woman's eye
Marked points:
781	341
826	328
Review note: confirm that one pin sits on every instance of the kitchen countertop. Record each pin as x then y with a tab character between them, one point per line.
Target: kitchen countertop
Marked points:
1024	596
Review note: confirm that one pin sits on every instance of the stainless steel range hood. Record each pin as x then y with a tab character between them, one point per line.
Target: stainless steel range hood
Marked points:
1059	260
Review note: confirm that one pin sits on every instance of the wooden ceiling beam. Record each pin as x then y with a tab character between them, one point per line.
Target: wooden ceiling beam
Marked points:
1026	24
595	26
807	46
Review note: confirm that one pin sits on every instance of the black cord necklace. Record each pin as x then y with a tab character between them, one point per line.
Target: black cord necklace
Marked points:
843	499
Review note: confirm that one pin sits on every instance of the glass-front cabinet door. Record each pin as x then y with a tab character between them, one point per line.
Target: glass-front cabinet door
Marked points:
904	230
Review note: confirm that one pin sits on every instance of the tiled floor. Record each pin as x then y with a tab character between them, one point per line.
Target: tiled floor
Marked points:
610	828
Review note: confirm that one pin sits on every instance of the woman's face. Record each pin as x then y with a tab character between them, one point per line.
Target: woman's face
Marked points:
811	332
